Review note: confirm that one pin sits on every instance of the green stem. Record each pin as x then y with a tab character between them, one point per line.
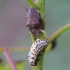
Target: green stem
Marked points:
58	32
50	39
40	63
41	6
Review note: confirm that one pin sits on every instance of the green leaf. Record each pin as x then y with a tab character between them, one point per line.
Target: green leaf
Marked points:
1	67
31	3
40	4
20	66
7	67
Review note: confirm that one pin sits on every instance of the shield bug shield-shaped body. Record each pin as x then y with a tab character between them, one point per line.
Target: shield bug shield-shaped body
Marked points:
34	22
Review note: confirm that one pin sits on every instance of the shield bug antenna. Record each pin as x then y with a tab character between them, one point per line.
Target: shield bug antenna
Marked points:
26	36
26	9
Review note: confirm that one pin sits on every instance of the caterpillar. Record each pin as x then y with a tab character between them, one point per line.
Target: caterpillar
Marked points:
35	51
34	21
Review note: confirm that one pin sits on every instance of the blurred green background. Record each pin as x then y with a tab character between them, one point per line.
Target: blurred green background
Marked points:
13	30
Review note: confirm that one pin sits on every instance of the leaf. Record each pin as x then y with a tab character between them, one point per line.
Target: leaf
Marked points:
31	3
40	4
7	67
20	66
1	67
49	47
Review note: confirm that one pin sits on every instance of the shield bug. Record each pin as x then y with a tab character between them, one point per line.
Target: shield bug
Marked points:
34	21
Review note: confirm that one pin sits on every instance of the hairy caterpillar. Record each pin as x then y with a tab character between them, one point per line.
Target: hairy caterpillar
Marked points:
35	51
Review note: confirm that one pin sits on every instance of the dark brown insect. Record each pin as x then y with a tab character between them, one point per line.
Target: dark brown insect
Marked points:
34	22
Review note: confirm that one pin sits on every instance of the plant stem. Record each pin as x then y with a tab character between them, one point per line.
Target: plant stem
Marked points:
58	32
50	39
41	5
9	58
18	48
40	63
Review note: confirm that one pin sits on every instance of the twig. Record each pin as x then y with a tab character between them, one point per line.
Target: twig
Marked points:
18	48
9	58
58	32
